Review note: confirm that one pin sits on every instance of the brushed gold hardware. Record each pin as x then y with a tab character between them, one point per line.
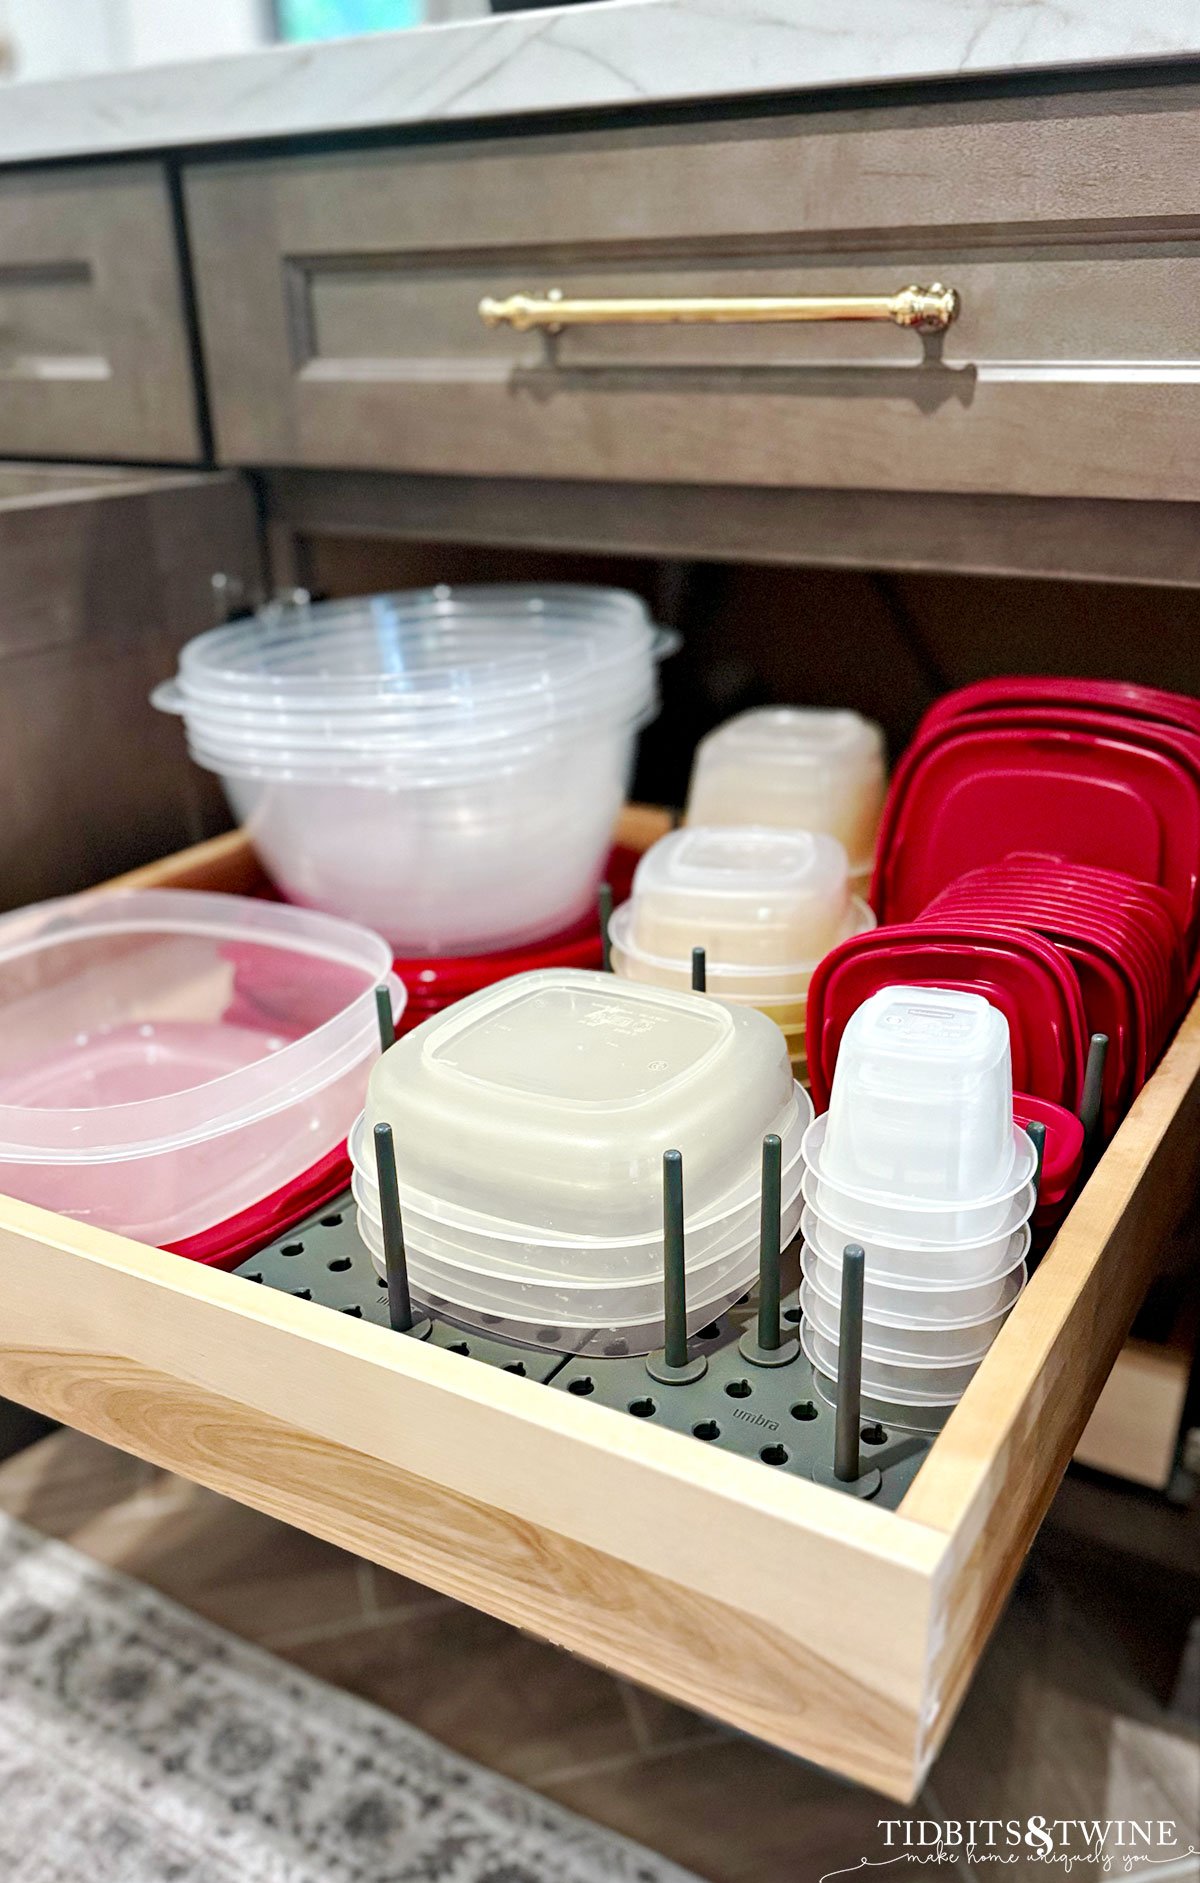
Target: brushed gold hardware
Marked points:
929	310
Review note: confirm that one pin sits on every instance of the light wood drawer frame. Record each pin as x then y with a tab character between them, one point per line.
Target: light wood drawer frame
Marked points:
842	1632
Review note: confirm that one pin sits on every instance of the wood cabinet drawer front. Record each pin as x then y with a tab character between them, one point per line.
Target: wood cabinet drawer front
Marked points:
339	300
95	360
842	1631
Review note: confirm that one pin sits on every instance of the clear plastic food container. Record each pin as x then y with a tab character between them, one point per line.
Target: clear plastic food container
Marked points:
511	1250
796	767
921	1108
549	1100
445	766
916	1383
751	896
912	1345
784	987
922	1284
167	1059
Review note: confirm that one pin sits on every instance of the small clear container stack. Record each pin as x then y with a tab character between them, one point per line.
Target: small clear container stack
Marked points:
764	904
796	768
919	1162
445	766
530	1123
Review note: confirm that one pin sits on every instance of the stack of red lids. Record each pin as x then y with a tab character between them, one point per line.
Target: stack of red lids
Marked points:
1041	846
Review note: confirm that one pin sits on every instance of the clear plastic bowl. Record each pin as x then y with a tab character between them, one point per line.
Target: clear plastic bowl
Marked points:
435	652
549	1100
753	897
928	1417
921	1227
913	1345
798	767
899	1217
461	868
913	1383
921	1107
168	1058
512	1250
920	1285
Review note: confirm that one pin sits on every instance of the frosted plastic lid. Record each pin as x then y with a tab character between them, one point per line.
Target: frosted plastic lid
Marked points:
748	894
550	1098
798	738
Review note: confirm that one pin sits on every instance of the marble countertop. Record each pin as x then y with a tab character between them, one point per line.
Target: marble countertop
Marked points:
619	52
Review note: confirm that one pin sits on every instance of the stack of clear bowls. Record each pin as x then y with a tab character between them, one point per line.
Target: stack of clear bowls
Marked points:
765	905
800	768
445	766
530	1123
919	1162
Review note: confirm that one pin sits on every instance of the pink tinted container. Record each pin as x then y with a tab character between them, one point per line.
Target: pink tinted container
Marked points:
140	1090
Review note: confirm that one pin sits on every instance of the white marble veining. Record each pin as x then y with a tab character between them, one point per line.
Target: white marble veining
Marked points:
615	52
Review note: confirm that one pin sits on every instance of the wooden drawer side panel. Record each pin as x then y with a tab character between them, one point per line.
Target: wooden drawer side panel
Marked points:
795	1614
989	1479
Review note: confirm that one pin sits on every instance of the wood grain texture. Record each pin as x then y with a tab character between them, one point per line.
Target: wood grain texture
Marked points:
338	300
794	1613
841	1632
103	577
989	1479
943	531
95	359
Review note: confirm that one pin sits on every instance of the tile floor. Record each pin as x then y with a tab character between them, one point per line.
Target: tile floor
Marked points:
1087	1704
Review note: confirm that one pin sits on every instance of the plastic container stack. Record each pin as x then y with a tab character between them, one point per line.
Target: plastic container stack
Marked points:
444	766
796	768
141	1090
764	904
530	1123
919	1161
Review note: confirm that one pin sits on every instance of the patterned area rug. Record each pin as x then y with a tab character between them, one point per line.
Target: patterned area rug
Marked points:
139	1744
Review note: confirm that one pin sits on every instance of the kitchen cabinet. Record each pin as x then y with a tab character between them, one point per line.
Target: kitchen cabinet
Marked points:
95	354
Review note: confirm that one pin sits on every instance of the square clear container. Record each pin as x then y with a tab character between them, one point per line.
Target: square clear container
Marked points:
798	768
764	987
549	1099
749	895
921	1107
511	1250
167	1059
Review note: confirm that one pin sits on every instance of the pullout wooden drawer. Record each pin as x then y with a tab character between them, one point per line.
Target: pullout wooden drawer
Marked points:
95	356
339	297
844	1632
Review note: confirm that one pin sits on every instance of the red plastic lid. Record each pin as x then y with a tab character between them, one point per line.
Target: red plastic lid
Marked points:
1028	979
1116	696
228	1244
1062	1158
974	795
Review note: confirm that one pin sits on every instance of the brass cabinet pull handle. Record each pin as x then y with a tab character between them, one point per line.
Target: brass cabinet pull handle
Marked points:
929	310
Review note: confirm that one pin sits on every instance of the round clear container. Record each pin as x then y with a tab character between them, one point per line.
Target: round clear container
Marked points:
755	897
921	1107
796	767
461	868
921	1285
911	1345
168	1059
549	1100
928	1417
914	1383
